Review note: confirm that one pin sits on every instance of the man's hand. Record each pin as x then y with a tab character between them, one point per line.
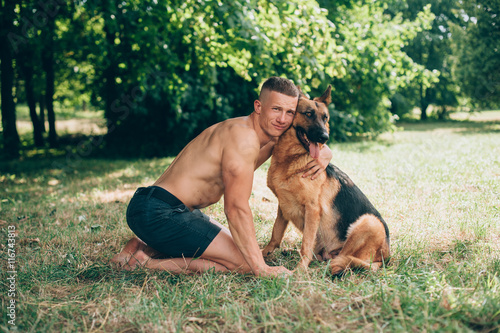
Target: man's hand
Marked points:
275	271
316	166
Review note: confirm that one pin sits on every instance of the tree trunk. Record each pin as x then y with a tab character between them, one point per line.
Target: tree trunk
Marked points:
41	104
48	66
28	72
10	135
110	74
423	104
442	114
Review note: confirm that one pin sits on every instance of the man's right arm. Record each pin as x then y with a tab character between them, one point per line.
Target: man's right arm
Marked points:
238	164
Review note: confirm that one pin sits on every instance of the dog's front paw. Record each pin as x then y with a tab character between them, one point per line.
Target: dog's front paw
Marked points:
303	264
301	270
266	251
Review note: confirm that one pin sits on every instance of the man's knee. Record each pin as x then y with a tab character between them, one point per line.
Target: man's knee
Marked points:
223	250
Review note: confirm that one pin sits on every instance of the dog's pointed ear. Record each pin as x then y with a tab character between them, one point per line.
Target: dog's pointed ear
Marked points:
301	93
327	96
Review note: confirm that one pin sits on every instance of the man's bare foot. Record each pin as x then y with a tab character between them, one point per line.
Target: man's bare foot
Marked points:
122	258
138	259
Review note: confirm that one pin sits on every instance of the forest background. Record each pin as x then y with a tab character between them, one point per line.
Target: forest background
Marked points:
159	72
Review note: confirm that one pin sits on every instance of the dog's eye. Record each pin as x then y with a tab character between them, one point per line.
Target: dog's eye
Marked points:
309	114
325	119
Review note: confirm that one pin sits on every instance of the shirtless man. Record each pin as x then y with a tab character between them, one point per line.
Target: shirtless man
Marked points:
220	161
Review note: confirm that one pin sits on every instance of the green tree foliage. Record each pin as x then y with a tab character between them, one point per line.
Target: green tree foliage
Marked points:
375	67
431	48
477	51
164	70
34	40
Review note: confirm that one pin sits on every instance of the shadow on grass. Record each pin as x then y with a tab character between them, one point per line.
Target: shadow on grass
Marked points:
57	164
43	179
71	149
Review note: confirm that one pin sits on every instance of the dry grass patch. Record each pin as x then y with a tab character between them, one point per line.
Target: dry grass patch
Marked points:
437	186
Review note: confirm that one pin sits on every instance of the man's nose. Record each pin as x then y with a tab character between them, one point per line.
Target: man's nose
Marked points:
281	118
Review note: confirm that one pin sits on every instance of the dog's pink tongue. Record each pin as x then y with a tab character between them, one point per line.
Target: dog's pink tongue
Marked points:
314	150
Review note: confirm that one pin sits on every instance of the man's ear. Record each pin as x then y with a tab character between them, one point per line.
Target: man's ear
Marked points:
257	106
326	97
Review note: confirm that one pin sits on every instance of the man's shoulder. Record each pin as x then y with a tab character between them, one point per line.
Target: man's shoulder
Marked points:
238	137
238	130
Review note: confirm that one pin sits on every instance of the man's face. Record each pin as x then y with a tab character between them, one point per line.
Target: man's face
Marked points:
276	112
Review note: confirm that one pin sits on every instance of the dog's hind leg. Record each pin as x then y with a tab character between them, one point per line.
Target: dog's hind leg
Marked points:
279	228
366	246
342	263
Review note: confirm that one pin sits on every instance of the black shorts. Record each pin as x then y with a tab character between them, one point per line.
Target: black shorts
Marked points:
164	223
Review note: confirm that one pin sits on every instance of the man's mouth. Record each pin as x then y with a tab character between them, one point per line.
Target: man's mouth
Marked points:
312	147
278	127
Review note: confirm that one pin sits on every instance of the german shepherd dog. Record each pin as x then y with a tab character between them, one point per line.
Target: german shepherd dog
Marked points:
336	219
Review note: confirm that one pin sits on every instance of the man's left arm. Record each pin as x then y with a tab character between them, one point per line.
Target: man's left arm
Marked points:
316	166
266	152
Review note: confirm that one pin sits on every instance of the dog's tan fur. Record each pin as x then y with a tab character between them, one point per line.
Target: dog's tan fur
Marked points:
310	204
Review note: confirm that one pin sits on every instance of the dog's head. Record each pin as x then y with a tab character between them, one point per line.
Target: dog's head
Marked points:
311	121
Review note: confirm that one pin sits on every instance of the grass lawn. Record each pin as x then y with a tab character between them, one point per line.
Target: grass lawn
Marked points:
436	184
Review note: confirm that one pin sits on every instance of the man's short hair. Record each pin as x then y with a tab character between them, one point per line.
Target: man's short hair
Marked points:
281	85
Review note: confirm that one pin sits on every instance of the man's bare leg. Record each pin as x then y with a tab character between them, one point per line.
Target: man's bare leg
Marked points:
224	251
222	255
137	254
133	245
173	265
